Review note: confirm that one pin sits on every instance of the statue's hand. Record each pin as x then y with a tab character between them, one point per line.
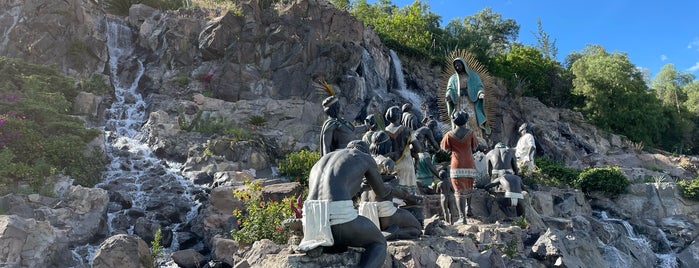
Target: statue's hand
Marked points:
481	95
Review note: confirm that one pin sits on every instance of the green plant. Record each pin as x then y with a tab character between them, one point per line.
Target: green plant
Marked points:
257	120
610	181
260	219
521	222
155	247
297	165
689	189
181	80
38	136
121	7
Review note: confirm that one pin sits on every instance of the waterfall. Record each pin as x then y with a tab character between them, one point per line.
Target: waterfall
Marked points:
615	258
146	184
409	95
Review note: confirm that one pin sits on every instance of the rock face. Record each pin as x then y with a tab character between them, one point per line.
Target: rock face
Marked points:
255	70
123	251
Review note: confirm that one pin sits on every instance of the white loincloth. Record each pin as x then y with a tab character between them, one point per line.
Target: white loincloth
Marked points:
405	167
318	216
463	173
376	210
514	197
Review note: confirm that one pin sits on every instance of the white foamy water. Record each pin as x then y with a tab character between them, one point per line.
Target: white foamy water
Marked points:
133	166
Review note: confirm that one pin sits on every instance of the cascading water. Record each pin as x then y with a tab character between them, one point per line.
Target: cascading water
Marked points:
617	259
415	99
144	190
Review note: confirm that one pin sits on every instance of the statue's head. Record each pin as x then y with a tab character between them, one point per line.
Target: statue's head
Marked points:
331	106
459	65
443	174
370	121
524	128
431	124
381	143
359	145
459	118
407	107
393	114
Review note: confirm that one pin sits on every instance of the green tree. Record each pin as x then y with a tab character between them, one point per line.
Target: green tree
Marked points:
615	96
544	42
692	102
498	31
668	86
537	76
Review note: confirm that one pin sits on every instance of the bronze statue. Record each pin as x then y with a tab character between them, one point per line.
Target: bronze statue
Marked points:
330	221
372	127
446	197
408	119
336	131
462	143
509	192
397	223
499	158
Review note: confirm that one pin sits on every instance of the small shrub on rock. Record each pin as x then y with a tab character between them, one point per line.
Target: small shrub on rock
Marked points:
260	219
297	165
689	189
610	181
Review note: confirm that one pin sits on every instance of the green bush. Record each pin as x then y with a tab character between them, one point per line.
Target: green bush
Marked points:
297	165
556	171
38	136
121	7
610	181
260	219
689	189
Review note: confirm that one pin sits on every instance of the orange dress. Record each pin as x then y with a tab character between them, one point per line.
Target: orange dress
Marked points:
463	166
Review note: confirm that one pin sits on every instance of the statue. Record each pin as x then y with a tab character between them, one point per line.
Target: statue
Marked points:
501	158
397	223
330	221
372	127
385	143
425	171
336	132
408	119
509	192
462	143
465	92
424	135
526	147
446	197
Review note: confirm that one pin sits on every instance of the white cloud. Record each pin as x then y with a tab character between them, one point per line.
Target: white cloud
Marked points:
694	68
694	44
663	57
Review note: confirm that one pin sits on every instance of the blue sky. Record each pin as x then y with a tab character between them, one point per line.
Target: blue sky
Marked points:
652	33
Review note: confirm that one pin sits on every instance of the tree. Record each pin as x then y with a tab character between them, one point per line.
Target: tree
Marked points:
668	86
539	76
543	41
498	31
615	95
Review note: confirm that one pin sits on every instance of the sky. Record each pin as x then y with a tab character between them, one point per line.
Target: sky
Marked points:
651	33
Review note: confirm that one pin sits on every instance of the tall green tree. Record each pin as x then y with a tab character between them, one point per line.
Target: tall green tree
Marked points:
544	42
668	85
615	96
498	31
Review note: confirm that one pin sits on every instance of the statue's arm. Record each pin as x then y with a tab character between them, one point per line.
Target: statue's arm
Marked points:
328	133
374	179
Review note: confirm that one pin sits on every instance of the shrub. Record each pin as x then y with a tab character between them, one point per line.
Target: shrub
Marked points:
557	171
121	7
260	219
38	136
610	181
297	165
689	189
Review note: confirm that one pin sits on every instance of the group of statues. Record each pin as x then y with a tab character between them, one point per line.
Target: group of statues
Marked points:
363	192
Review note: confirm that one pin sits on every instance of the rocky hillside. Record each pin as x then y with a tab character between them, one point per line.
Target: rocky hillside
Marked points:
256	70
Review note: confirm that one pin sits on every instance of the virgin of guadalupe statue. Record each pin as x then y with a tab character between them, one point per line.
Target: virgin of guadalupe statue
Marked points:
466	89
